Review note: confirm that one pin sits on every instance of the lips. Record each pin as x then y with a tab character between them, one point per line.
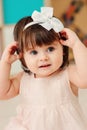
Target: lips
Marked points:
44	66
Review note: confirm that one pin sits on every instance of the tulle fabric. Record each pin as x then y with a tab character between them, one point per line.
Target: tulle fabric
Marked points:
48	104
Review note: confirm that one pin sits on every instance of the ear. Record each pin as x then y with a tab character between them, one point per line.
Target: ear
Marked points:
63	35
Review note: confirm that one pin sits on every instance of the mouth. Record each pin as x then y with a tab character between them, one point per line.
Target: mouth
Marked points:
45	66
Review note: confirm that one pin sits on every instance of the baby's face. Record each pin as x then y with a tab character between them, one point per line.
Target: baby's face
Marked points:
44	61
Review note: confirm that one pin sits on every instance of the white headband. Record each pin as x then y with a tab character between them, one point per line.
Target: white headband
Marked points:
45	19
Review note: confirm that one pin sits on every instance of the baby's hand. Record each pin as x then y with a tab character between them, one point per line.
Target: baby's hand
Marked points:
71	38
10	53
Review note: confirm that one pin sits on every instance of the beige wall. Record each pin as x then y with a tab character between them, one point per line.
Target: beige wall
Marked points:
60	6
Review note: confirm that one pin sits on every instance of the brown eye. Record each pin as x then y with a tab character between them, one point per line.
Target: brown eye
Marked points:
50	49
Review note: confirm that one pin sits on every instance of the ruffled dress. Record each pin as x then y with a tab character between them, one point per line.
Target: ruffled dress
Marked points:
47	104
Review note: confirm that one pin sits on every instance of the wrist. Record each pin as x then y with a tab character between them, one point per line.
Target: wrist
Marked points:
76	44
4	62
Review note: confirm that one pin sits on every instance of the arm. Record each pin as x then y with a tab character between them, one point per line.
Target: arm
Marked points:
77	72
8	86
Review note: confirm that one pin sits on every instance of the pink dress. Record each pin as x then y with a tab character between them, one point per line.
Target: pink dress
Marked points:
48	104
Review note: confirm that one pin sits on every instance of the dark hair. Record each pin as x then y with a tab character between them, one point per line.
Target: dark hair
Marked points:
35	35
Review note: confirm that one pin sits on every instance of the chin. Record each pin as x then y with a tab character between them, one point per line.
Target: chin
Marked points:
43	75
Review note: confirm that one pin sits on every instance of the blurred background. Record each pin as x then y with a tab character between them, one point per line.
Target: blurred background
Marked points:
73	14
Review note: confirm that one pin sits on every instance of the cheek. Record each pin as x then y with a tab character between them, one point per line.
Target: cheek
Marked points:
27	60
31	63
59	61
58	58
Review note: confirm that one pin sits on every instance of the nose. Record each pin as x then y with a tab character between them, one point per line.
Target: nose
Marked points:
43	56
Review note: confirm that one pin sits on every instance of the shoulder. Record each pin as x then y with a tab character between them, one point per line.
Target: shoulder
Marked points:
69	72
72	73
17	76
74	77
14	86
15	80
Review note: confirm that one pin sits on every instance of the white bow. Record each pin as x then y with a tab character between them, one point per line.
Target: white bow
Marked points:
45	19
